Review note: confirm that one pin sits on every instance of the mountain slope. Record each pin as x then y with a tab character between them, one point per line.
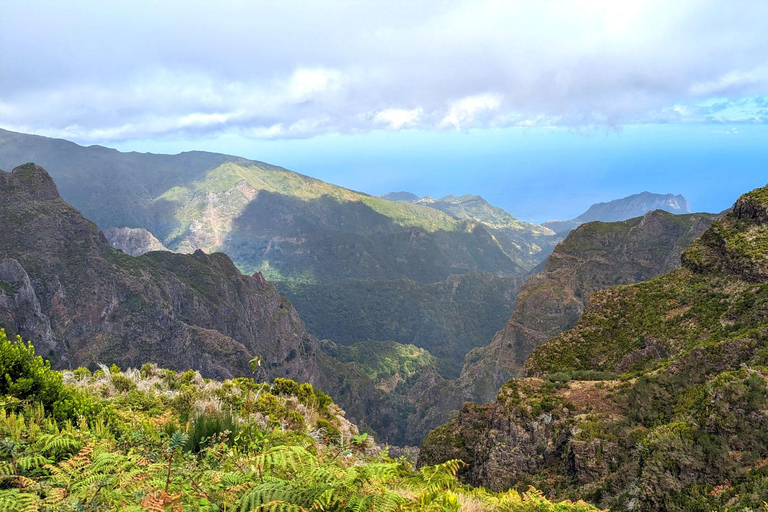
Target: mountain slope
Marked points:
265	217
593	257
448	318
83	302
629	207
656	400
525	243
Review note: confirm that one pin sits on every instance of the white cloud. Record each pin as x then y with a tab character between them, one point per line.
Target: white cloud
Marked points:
733	81
466	110
398	118
305	83
276	69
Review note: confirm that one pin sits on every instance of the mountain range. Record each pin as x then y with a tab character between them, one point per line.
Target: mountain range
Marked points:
657	399
83	302
440	276
593	257
315	240
284	224
622	209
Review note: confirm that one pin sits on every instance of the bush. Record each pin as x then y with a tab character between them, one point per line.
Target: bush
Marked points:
29	378
122	383
210	426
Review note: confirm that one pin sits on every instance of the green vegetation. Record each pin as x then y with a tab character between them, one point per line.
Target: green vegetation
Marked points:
477	208
431	316
174	441
28	379
656	400
388	363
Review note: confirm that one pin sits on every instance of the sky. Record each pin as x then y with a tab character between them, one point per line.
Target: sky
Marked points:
541	107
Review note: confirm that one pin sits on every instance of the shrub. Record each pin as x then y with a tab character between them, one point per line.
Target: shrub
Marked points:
81	373
29	378
211	426
122	383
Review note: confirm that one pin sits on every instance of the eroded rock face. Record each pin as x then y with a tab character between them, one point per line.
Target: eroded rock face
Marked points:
20	307
510	440
84	302
593	257
133	241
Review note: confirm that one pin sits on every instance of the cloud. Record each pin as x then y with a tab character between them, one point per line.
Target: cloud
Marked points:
270	70
398	118
467	110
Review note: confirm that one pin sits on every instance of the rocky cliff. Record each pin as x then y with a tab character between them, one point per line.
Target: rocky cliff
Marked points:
622	209
133	241
656	400
69	291
84	302
595	256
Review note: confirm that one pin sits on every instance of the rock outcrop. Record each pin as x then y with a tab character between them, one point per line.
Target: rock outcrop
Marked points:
593	257
656	400
83	302
133	241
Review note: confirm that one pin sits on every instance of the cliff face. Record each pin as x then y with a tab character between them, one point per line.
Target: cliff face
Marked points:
625	208
593	257
65	287
84	302
133	241
656	400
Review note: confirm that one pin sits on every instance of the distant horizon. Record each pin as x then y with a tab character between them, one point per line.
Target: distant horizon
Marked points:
541	108
560	185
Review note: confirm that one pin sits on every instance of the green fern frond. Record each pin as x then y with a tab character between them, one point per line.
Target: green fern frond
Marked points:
279	491
15	501
35	460
57	444
280	506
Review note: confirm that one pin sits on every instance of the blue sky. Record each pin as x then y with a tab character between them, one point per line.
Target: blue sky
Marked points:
537	174
541	107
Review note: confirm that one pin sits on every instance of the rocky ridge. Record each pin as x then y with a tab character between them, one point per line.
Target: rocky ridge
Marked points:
83	302
656	400
593	257
625	208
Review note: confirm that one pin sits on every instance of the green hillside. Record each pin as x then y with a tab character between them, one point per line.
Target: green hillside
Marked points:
289	226
448	318
154	439
656	400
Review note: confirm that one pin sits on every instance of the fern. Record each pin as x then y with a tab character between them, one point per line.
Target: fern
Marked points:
58	444
16	501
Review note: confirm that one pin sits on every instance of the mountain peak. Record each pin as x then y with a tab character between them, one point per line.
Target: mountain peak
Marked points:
737	243
34	180
635	205
401	196
622	209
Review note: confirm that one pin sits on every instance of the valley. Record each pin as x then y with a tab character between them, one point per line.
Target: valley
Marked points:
344	256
